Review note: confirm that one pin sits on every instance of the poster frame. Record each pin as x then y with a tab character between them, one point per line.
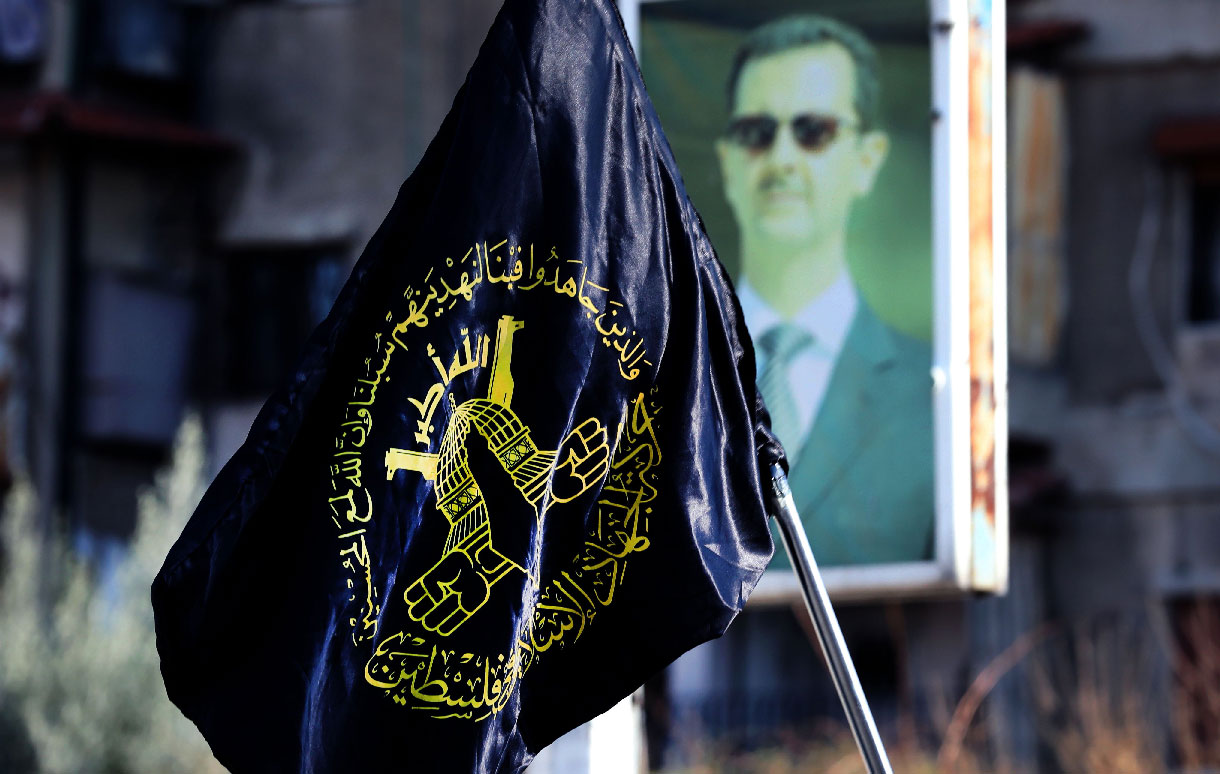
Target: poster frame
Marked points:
969	353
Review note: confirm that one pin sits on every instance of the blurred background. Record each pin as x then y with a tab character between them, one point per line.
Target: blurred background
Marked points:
185	185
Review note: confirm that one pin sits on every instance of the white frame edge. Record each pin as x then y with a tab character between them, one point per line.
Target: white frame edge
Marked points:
951	285
999	198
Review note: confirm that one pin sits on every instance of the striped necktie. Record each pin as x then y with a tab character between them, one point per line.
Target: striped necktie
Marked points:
782	344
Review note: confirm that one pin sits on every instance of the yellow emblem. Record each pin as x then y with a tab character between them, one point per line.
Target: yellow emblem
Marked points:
424	667
454	588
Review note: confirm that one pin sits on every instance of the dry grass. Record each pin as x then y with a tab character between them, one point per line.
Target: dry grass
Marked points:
826	750
1195	718
1098	694
1109	697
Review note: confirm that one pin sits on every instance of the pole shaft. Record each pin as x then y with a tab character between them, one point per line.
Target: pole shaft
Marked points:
842	671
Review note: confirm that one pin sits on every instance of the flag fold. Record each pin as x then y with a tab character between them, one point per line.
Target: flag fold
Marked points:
519	468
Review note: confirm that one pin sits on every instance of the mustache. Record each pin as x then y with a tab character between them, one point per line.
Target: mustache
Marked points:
781	184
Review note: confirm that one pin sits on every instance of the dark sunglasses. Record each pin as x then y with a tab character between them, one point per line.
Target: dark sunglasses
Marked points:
812	133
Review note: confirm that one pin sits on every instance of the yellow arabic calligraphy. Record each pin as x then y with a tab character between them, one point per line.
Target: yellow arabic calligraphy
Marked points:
554	272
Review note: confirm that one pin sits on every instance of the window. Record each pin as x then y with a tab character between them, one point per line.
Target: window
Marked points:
1203	292
23	31
144	38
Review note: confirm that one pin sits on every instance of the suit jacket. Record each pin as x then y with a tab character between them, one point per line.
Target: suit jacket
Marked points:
863	482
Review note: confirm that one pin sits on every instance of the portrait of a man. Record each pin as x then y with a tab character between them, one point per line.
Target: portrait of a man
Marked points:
849	393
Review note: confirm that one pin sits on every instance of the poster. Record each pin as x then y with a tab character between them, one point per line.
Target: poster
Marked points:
815	140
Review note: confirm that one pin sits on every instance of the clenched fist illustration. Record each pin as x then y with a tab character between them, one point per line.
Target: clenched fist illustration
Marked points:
582	462
448	594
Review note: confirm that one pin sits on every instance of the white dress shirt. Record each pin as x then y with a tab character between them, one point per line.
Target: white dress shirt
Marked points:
826	319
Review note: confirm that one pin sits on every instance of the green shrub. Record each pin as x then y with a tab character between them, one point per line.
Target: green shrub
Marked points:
80	681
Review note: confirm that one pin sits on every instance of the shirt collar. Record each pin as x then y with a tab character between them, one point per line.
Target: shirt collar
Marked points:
827	317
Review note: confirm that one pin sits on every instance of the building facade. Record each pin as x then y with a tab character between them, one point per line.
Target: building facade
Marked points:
184	186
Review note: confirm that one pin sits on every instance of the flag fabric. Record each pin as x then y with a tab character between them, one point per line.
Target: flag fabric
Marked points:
519	468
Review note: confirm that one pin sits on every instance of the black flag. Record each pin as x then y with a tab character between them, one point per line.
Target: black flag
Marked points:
519	468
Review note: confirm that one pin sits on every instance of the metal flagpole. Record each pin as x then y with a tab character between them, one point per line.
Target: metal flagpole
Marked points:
843	672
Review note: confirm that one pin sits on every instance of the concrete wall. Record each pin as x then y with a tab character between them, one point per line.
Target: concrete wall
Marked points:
1115	181
1136	30
317	96
1142	483
335	103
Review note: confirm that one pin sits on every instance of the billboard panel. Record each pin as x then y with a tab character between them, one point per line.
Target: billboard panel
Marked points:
840	153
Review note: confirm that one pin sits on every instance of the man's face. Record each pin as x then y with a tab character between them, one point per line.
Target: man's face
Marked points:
798	187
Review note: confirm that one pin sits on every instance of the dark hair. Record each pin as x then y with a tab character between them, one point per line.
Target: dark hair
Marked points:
811	30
